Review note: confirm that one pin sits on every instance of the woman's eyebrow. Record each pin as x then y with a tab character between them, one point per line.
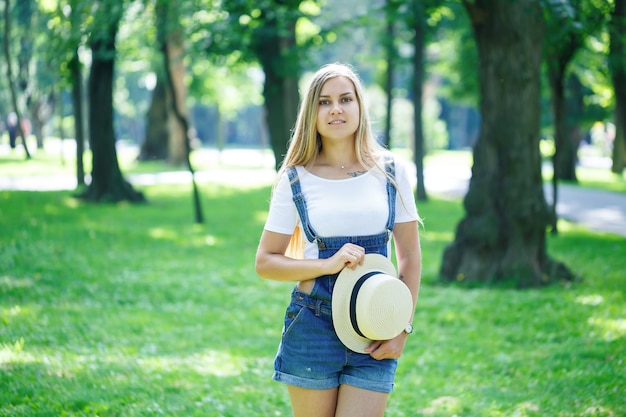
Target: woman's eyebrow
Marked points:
340	95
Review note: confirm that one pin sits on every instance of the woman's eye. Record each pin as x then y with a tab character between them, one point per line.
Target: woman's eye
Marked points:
346	99
324	102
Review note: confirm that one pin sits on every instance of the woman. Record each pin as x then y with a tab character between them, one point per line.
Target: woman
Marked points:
345	210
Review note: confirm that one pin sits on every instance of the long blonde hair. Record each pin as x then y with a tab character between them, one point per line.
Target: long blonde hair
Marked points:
305	143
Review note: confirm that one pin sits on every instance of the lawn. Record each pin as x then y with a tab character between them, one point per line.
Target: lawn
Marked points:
134	310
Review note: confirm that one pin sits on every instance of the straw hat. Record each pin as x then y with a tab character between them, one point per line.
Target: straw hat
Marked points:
369	303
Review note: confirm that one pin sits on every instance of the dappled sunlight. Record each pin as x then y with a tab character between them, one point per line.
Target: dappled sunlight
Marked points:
199	240
211	362
216	363
14	353
165	234
608	329
9	283
260	216
436	236
446	405
71	202
598	411
590	300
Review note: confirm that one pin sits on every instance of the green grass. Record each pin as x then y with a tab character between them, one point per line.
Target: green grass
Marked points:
123	310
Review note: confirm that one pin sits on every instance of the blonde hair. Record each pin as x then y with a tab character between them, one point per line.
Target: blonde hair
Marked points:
305	143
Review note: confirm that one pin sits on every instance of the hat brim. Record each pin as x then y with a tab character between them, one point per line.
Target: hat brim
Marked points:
341	299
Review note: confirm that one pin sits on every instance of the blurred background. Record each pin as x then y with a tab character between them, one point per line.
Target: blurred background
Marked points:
236	67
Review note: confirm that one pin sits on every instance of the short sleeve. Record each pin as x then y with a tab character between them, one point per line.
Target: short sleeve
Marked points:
283	215
406	210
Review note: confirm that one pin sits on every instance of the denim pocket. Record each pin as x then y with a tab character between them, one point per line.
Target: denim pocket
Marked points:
293	312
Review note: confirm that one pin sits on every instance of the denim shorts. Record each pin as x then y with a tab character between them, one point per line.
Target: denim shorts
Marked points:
311	356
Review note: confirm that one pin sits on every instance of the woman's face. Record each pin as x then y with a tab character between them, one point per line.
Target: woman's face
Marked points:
338	114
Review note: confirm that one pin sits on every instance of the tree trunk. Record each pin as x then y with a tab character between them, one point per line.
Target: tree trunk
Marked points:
178	143
280	91
575	109
165	136
617	65
565	152
76	78
503	234
107	183
7	56
155	143
79	129
176	92
419	42
390	12
564	159
555	76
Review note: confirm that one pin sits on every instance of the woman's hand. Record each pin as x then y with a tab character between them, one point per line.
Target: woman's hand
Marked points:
349	256
388	349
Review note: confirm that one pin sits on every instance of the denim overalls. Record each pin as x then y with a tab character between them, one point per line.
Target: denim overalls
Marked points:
311	355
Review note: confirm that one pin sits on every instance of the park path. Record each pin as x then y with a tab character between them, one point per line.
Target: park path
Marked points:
599	210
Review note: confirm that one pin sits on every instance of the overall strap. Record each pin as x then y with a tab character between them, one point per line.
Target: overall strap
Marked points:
298	199
390	167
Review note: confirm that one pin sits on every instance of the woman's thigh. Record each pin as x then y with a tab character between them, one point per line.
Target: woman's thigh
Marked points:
312	402
359	402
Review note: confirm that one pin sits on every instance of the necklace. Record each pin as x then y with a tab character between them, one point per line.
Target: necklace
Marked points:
342	167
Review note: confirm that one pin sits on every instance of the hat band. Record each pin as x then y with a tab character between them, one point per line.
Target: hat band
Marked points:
354	296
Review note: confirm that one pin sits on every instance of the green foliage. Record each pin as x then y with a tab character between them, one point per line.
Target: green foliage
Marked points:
453	55
110	310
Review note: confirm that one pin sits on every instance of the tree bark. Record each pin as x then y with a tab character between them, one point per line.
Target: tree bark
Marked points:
390	13
564	158
10	81
503	234
176	92
77	105
617	65
419	43
107	182
155	143
165	135
178	150
275	49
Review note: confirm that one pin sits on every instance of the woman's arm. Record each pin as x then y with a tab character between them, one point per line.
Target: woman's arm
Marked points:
409	257
272	263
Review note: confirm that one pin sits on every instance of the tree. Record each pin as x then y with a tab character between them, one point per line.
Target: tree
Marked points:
10	78
503	234
176	92
165	135
76	81
171	40
107	182
419	44
268	34
417	18
76	77
569	24
391	14
155	143
617	66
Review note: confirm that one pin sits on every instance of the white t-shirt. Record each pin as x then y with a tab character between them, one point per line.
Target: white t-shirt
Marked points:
348	207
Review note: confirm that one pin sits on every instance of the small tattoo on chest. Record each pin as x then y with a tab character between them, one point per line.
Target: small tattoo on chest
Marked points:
355	173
